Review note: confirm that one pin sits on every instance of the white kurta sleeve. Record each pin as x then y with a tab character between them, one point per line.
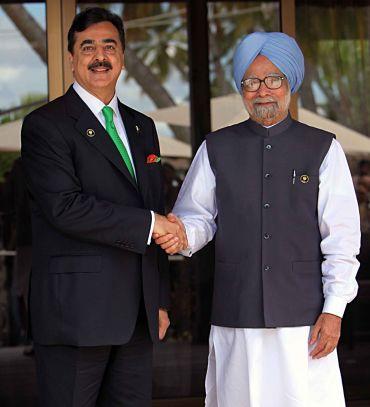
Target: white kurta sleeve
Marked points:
339	224
196	203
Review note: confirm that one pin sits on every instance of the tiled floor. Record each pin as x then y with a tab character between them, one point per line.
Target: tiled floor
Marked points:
179	370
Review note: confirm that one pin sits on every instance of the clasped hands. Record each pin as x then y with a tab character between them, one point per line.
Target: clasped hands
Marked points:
169	233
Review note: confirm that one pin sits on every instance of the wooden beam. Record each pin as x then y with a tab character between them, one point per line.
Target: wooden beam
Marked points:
59	16
54	47
68	14
287	17
288	26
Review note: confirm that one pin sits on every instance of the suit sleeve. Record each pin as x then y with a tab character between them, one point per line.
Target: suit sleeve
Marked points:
163	264
50	175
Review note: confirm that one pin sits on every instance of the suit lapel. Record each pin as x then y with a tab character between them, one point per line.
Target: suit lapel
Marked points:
137	145
91	129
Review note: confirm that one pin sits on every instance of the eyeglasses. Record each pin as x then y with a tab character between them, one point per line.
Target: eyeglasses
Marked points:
253	84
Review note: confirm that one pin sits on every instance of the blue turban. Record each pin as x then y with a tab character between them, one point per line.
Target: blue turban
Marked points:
279	48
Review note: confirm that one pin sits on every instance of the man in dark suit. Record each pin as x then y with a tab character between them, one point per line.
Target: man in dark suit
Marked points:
99	287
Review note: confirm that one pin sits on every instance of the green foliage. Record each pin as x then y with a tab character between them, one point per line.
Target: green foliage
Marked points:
157	32
228	23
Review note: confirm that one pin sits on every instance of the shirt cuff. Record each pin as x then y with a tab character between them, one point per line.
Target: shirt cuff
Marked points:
151	229
190	237
335	305
187	252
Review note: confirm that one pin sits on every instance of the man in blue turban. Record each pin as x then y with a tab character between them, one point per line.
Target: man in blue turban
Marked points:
279	48
286	239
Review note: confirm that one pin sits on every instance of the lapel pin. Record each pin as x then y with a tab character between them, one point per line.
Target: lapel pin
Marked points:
137	128
90	132
304	179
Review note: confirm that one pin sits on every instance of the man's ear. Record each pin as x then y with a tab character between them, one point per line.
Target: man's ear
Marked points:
70	59
123	62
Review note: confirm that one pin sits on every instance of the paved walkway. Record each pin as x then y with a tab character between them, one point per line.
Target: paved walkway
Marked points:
178	371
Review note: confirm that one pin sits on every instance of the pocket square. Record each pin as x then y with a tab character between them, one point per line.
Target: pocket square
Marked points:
152	158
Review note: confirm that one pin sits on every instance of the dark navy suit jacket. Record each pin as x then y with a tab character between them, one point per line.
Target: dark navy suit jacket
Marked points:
91	222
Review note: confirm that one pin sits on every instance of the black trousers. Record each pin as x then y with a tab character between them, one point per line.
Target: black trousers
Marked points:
104	376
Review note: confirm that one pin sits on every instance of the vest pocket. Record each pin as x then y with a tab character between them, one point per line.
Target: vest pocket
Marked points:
306	291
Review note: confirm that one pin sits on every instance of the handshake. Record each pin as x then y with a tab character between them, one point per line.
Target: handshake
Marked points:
169	233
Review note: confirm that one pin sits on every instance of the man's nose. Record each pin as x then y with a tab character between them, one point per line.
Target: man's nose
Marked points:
263	90
100	53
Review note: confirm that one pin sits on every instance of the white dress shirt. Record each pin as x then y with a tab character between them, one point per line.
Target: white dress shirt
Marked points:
338	218
96	106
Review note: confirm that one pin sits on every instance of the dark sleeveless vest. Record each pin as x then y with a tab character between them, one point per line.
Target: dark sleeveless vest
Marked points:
268	257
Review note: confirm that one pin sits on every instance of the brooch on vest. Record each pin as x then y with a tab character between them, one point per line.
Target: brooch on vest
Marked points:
304	179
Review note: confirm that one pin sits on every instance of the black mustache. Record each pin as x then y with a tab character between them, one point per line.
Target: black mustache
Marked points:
100	64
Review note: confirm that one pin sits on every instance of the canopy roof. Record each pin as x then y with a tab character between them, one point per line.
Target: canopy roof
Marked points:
228	110
225	110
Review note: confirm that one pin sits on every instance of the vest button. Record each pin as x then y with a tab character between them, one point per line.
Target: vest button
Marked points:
266	236
267	268
268	147
267	175
266	205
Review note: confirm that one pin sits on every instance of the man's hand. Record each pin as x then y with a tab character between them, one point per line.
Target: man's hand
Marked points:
162	226
325	334
173	244
164	323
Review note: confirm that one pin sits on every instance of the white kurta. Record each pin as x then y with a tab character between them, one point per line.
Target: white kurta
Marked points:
269	368
272	367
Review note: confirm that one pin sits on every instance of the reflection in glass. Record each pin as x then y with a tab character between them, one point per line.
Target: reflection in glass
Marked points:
228	23
336	44
23	70
156	59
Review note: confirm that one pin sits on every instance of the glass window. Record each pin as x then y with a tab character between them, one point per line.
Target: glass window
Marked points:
156	61
228	23
335	95
23	87
335	41
23	72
